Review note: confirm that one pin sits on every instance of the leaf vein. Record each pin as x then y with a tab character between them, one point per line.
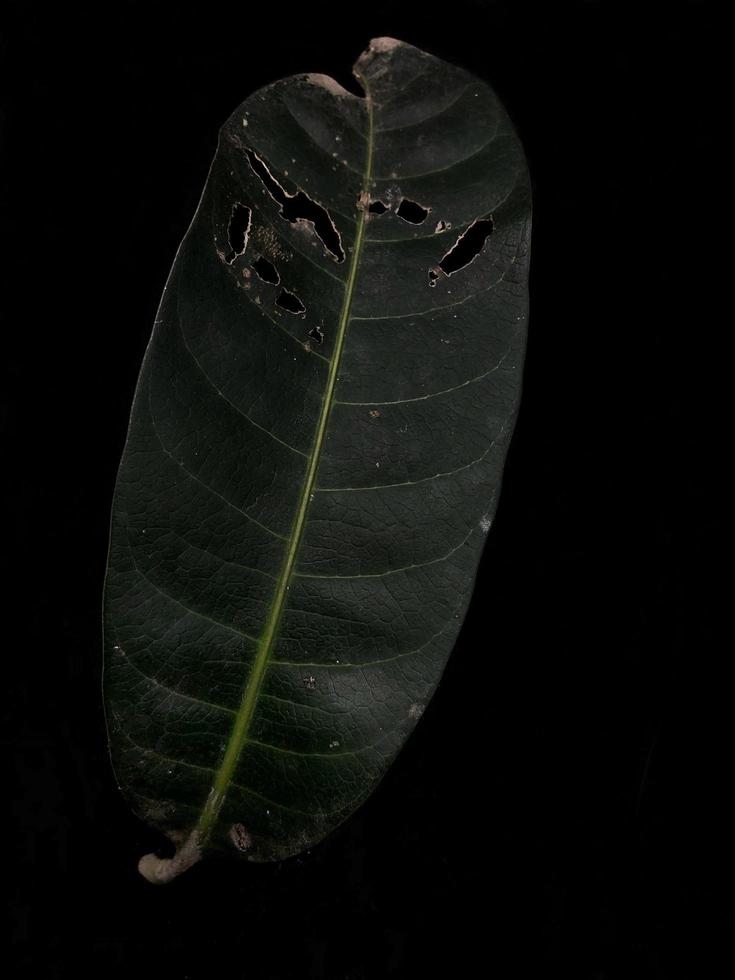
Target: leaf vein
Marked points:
412	483
450	166
194	612
222	395
210	769
367	663
126	659
193	476
435	394
448	306
260	309
391	571
433	115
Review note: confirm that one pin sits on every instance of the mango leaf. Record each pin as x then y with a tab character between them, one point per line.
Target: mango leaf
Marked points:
314	453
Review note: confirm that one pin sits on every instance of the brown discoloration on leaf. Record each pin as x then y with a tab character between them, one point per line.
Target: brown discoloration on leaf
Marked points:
269	244
240	837
306	227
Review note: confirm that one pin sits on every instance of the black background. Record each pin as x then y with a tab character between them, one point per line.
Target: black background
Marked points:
563	807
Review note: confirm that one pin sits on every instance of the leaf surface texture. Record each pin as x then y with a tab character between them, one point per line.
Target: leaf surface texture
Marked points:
315	450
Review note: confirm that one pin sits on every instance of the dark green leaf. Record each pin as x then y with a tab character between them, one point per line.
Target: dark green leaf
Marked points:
315	452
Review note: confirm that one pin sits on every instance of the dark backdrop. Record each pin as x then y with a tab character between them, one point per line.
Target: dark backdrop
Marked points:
561	810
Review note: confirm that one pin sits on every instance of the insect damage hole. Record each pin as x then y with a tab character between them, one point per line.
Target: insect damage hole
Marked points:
291	303
317	334
412	212
266	271
299	206
238	231
467	247
377	207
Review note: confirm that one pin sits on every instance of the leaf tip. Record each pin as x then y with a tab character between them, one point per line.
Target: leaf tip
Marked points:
370	63
327	82
382	45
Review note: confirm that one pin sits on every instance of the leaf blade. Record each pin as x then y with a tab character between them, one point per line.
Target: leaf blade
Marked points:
277	567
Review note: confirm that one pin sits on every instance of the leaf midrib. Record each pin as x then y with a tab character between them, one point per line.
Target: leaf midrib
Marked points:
238	737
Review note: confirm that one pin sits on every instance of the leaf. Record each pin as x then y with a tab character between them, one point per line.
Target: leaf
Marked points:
315	452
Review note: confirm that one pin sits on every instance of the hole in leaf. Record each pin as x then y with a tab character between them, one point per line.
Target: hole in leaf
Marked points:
467	247
299	205
266	270
442	226
317	334
291	303
238	230
377	207
412	212
433	276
